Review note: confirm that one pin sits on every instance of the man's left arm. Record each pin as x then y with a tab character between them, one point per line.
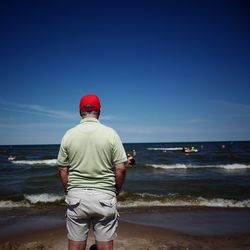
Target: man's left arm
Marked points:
63	175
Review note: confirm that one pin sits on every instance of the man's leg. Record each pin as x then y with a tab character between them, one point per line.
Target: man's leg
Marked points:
76	245
104	245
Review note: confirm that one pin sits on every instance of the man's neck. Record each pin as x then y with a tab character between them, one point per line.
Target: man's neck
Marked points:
90	116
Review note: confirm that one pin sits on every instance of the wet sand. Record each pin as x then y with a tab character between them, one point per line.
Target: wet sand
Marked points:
130	236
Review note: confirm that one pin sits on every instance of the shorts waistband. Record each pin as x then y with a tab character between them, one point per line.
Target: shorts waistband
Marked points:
92	189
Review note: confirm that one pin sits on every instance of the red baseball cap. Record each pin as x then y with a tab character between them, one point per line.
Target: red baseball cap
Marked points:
90	102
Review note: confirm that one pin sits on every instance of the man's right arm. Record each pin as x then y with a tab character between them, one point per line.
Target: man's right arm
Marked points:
120	174
63	175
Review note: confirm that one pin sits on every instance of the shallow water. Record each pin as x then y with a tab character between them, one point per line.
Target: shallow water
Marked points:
196	222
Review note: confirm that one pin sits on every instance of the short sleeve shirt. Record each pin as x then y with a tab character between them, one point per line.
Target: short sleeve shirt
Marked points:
90	150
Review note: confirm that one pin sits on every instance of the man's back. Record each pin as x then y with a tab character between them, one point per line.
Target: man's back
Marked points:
92	150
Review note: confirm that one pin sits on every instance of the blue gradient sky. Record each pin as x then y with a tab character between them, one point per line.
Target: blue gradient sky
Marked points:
165	71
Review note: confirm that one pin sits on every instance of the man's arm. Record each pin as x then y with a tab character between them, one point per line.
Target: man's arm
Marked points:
63	174
120	174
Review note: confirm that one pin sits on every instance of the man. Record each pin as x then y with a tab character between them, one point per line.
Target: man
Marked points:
92	167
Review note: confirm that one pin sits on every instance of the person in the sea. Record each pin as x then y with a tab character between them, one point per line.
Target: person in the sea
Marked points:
131	158
92	168
11	158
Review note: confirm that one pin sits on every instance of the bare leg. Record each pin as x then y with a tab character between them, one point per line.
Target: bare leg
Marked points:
77	245
104	245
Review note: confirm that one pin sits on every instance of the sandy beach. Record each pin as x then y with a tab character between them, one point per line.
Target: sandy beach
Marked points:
130	236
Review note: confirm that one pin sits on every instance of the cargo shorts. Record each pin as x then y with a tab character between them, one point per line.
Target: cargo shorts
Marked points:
89	206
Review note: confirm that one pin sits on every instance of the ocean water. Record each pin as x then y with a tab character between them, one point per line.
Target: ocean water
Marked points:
218	175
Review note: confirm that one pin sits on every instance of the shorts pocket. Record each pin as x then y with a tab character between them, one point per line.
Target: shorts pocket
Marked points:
72	203
109	202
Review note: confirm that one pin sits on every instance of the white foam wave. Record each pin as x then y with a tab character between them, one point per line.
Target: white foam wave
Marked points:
234	166
166	149
10	204
45	198
162	166
31	200
199	202
51	162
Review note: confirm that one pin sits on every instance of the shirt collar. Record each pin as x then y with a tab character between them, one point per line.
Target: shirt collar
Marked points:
89	119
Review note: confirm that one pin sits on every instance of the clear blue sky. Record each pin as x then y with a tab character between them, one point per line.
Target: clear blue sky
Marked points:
165	71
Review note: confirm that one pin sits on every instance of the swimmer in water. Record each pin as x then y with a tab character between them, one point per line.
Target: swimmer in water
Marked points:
131	160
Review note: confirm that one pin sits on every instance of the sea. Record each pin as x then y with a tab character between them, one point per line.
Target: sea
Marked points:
217	175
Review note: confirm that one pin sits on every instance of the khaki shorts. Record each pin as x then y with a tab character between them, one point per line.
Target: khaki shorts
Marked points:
86	207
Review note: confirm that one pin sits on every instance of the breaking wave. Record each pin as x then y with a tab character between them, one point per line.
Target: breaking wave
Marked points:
43	198
133	200
51	162
166	149
148	200
34	199
234	166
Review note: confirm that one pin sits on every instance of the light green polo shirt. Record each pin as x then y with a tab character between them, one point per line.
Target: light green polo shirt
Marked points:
90	150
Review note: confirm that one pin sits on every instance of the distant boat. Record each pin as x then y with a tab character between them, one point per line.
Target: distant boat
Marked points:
11	158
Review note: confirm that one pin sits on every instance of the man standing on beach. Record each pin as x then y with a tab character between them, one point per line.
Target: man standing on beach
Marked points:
92	167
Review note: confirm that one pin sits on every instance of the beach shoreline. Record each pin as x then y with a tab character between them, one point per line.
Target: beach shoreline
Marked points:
133	236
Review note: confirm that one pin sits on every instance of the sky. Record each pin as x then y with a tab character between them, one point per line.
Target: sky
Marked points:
165	71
